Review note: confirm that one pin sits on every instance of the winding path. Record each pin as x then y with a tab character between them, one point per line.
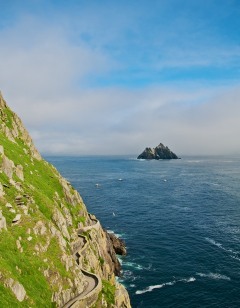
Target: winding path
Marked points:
93	283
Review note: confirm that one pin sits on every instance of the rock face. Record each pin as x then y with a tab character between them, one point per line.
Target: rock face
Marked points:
16	288
118	245
160	152
60	255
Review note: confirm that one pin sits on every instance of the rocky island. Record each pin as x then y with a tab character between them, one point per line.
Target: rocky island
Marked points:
160	152
53	253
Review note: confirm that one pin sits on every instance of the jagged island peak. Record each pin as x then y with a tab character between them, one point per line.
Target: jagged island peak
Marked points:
159	152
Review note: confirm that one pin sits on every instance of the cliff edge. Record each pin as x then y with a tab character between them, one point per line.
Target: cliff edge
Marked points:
53	253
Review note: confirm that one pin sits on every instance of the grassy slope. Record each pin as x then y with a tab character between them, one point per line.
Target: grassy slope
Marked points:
40	182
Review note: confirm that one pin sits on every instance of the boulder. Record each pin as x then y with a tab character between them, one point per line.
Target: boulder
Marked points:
16	288
7	166
16	219
19	172
3	224
1	191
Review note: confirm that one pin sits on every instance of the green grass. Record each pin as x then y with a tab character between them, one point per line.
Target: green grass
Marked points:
108	291
41	182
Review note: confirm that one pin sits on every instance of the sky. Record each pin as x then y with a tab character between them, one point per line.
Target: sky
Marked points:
113	77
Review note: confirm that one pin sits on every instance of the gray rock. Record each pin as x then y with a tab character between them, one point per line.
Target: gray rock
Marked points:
1	191
19	172
7	166
118	244
160	152
61	222
16	219
16	288
3	223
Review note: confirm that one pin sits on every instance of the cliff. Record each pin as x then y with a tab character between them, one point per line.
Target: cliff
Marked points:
53	253
160	152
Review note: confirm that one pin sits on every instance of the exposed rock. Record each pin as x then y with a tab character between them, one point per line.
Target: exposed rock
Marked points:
17	219
62	242
39	228
8	205
67	215
2	101
48	228
17	185
111	252
1	191
61	223
68	261
39	247
8	133
3	224
118	244
16	288
160	152
19	246
19	172
121	297
7	166
71	195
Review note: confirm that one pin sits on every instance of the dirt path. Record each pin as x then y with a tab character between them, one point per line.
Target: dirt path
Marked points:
91	281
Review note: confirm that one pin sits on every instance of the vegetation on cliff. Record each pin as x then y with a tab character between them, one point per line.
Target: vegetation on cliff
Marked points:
51	248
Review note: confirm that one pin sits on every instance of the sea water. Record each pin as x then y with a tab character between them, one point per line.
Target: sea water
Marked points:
180	220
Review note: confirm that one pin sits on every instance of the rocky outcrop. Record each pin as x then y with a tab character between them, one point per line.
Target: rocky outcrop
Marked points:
119	245
14	129
160	152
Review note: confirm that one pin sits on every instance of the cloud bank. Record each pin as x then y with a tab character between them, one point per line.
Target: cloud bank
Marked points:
81	89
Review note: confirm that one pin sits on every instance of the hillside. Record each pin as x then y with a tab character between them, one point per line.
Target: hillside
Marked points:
53	253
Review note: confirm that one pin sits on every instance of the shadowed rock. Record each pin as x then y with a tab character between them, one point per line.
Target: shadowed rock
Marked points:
160	152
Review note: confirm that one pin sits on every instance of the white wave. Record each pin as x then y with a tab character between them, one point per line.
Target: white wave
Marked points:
159	286
211	241
219	245
119	235
134	265
215	276
236	258
191	279
120	260
110	231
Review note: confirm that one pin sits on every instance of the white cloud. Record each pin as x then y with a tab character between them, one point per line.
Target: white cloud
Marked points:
43	75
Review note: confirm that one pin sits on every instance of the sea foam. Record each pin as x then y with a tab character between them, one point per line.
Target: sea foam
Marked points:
159	286
215	276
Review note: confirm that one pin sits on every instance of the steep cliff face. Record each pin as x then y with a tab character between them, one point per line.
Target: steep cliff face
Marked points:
52	251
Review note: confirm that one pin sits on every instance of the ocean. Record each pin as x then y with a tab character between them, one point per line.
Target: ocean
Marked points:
180	220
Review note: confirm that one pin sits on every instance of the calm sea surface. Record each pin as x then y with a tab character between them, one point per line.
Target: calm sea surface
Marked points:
180	220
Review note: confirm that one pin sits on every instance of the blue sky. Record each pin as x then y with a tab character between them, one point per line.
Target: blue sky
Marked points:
87	75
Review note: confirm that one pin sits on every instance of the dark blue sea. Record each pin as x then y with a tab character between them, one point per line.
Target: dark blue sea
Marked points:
180	220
